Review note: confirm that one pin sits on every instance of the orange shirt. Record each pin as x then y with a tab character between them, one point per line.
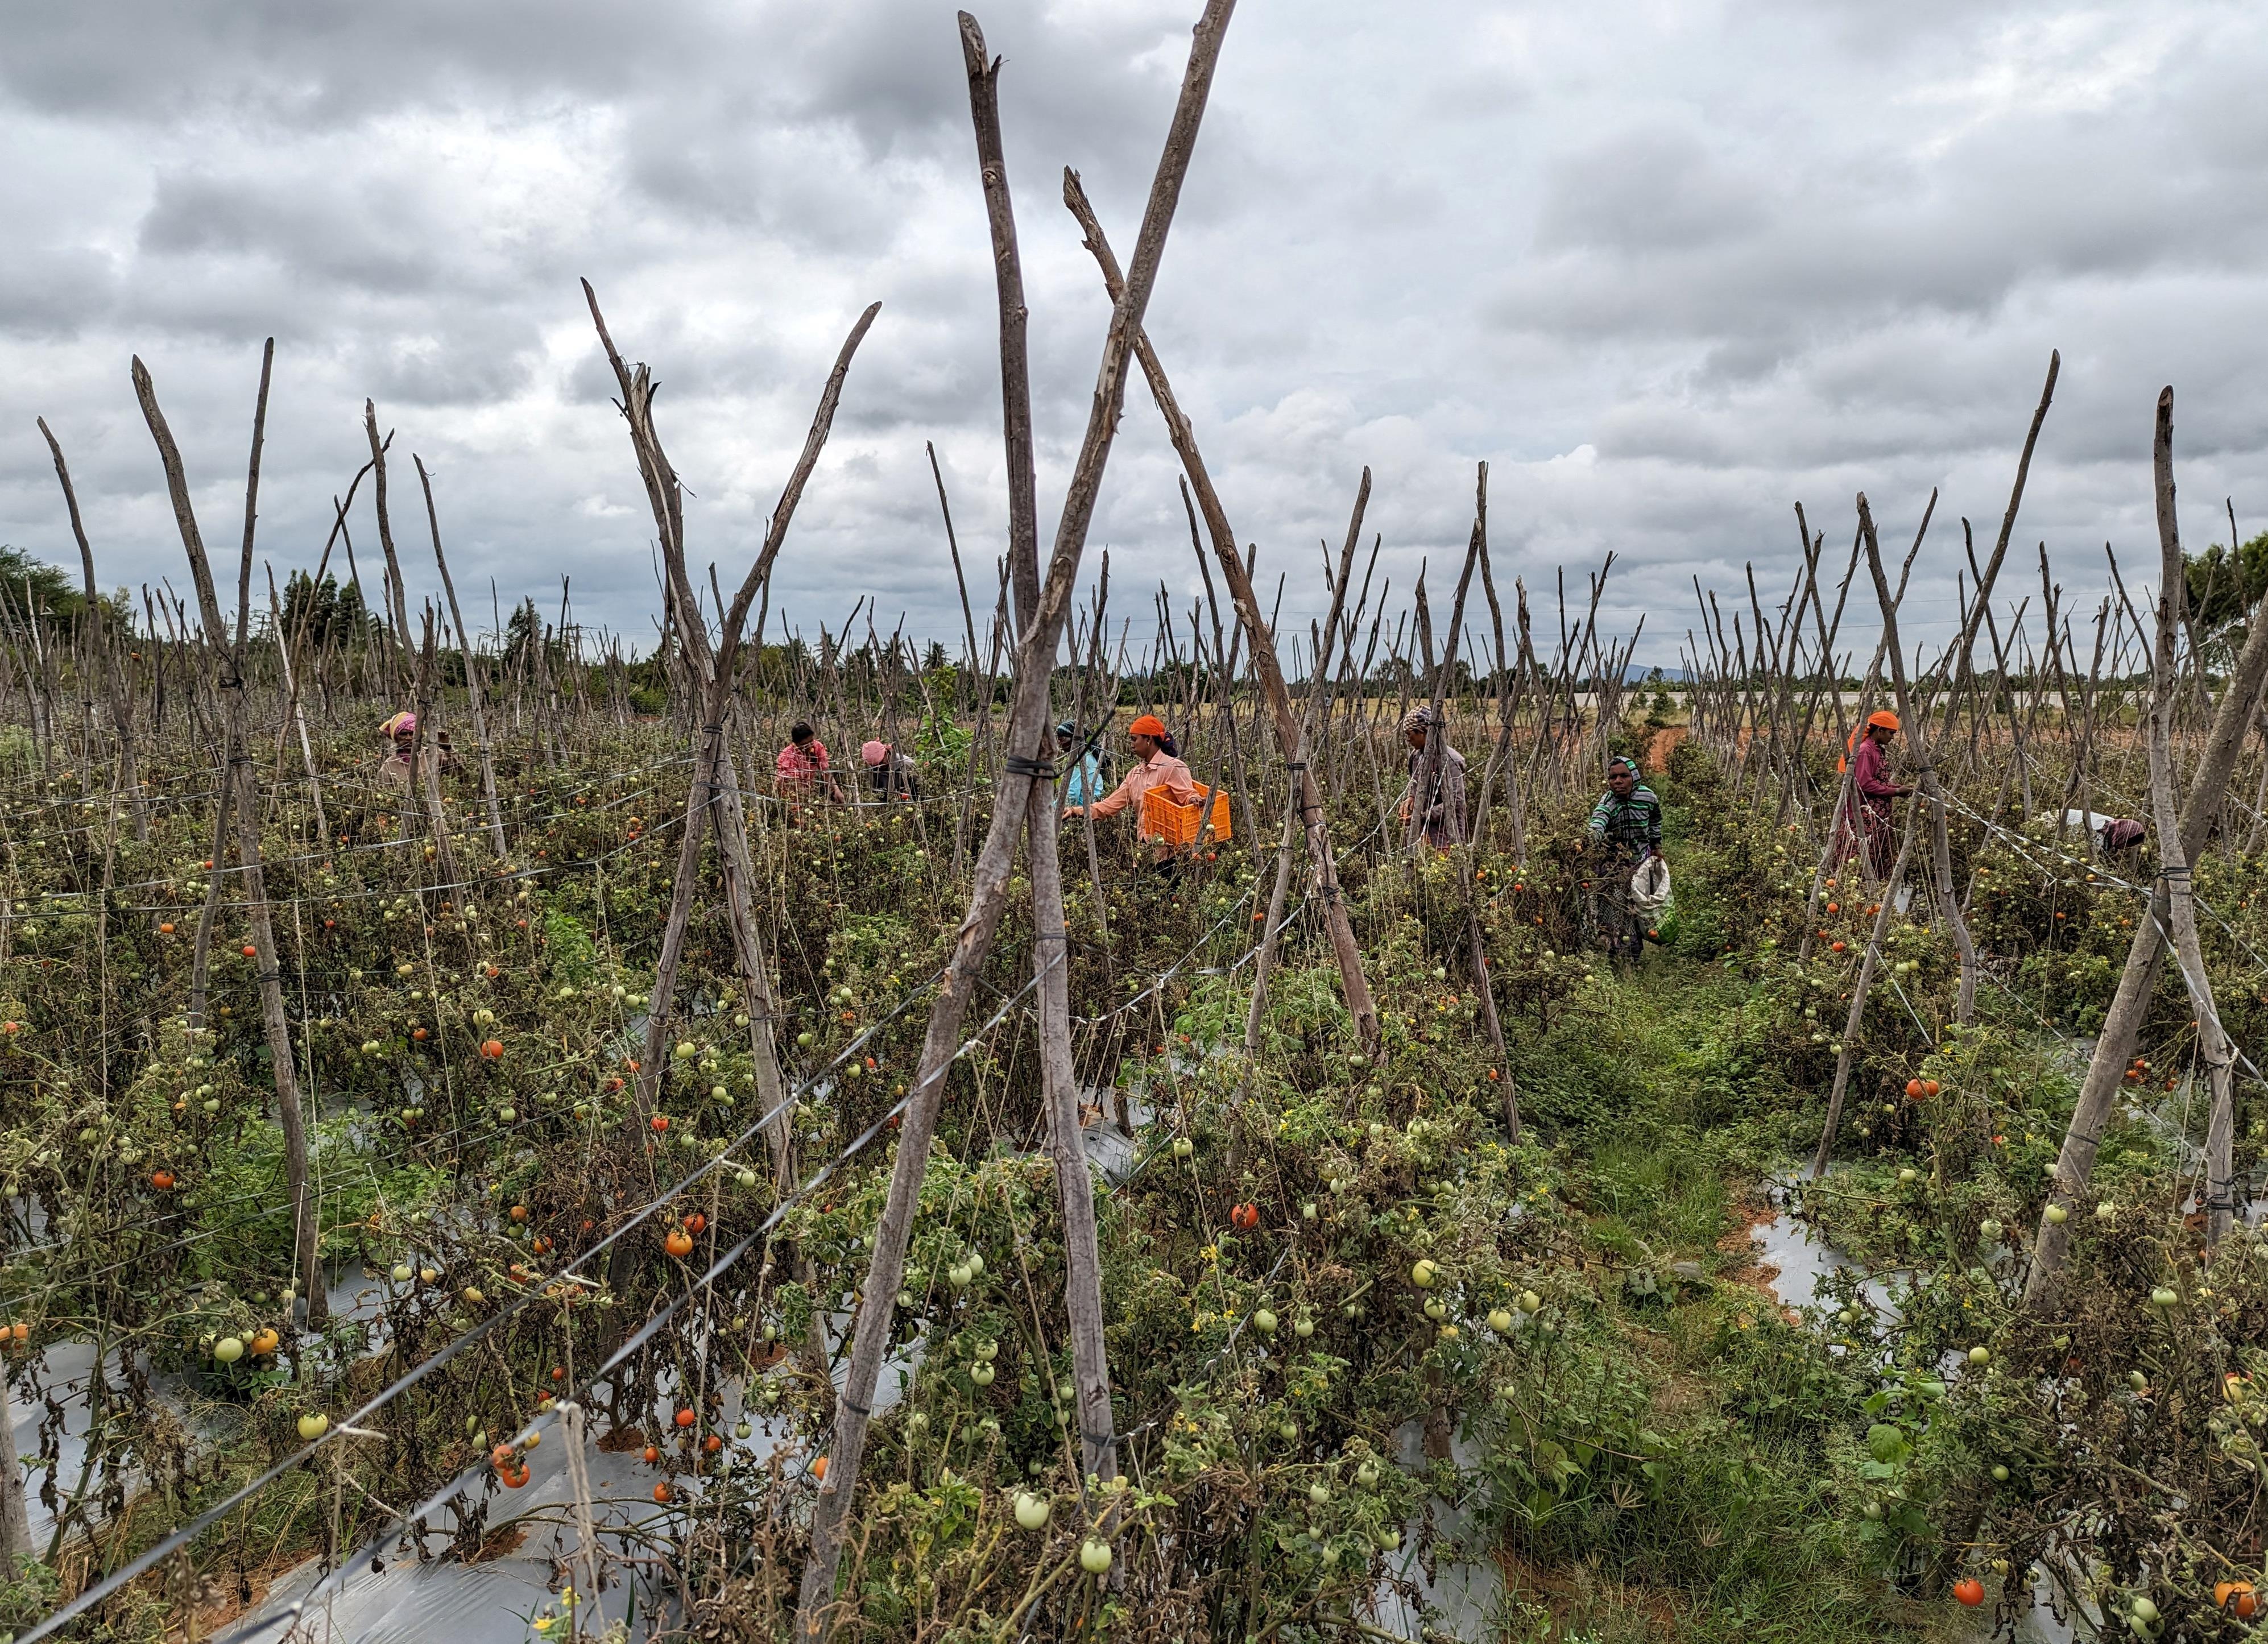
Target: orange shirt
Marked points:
1161	770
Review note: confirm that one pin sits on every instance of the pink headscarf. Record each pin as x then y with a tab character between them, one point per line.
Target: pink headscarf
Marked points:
400	723
873	753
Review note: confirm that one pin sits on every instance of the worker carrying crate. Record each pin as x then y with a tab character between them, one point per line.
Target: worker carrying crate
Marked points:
1173	804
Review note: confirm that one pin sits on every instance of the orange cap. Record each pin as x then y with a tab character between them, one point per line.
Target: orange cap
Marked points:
1148	725
1884	717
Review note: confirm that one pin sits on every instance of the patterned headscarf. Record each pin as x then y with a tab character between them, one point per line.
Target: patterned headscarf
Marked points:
401	724
1419	718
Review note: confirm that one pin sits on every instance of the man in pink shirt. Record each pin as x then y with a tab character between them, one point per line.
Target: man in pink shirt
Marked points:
802	772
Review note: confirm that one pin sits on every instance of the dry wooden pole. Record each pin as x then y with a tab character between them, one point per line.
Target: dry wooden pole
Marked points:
1051	937
1948	907
1422	800
2130	1004
1869	962
294	711
239	782
427	773
397	604
1027	736
2175	868
714	780
15	1520
473	690
1272	929
1265	665
113	686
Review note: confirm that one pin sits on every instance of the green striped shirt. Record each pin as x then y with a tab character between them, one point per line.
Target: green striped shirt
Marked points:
1631	826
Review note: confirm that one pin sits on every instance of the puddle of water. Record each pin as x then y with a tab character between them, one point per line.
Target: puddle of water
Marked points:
1788	1242
413	1601
1459	1584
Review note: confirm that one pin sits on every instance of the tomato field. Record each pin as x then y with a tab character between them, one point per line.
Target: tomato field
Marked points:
487	1121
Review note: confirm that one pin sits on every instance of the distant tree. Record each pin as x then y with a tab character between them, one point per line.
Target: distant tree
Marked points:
330	611
934	658
2222	587
33	587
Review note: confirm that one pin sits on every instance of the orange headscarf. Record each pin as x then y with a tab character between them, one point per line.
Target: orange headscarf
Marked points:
1882	716
1149	725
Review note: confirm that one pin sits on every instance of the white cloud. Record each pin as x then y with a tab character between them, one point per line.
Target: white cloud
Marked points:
1668	269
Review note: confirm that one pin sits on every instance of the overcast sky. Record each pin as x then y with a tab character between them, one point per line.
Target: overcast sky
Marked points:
1669	268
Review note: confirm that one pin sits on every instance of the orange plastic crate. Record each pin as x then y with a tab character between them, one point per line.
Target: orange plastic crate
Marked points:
1180	824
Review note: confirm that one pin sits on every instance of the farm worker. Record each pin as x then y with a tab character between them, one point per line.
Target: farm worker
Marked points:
2121	835
1625	830
1871	794
888	772
1445	811
802	772
1155	767
401	730
1085	786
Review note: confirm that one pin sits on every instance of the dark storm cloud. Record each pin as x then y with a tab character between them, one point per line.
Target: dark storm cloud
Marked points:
1669	270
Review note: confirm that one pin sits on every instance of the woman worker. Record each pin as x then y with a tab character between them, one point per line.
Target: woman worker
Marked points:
1155	766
